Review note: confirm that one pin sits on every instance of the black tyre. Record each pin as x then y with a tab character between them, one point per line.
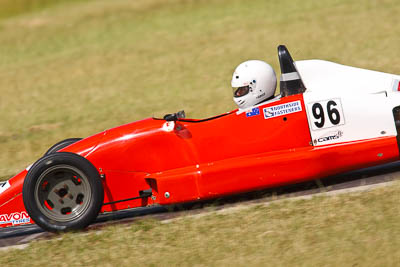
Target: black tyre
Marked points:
63	191
60	145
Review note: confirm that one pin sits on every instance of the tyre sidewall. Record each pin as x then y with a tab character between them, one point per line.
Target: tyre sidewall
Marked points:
62	144
95	184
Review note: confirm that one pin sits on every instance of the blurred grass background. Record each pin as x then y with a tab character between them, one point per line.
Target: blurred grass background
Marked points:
71	68
9	8
74	68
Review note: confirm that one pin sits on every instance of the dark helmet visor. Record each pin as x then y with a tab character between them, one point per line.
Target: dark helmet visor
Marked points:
241	91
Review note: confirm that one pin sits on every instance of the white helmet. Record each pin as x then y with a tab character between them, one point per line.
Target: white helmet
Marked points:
253	81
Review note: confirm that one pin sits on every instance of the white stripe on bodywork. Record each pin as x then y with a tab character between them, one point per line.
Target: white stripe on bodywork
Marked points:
4	186
29	167
290	76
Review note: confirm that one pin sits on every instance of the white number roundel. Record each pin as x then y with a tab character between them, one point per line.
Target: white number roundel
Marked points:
325	114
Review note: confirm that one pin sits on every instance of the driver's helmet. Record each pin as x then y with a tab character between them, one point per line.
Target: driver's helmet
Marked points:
253	81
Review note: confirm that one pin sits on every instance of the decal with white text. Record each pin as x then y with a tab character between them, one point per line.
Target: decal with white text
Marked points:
282	109
15	218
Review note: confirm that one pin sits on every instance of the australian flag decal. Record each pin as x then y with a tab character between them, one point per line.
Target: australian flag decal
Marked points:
253	112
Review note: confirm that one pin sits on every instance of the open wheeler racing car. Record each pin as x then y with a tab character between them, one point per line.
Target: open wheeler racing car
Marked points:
328	119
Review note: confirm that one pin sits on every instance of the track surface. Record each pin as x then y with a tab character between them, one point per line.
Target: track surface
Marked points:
375	175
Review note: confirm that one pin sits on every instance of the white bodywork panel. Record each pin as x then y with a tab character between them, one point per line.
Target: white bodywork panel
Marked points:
346	104
320	75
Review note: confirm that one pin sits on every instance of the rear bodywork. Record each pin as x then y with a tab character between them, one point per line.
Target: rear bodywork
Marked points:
281	141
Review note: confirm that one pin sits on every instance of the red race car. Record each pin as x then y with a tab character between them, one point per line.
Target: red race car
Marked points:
329	118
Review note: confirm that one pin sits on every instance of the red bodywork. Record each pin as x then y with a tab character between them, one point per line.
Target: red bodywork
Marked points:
202	159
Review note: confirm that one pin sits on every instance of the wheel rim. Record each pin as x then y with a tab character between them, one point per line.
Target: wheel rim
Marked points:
63	193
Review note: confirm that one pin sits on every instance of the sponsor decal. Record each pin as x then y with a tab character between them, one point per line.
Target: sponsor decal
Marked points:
282	109
253	112
15	218
329	136
4	186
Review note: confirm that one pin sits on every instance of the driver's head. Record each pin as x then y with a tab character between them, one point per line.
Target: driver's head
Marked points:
253	81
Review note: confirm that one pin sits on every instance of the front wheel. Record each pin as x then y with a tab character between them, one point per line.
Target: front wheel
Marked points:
63	191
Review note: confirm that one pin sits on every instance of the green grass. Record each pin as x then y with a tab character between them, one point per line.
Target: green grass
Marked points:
73	68
76	68
357	229
10	8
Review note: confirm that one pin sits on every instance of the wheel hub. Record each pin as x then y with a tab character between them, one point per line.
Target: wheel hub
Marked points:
63	193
